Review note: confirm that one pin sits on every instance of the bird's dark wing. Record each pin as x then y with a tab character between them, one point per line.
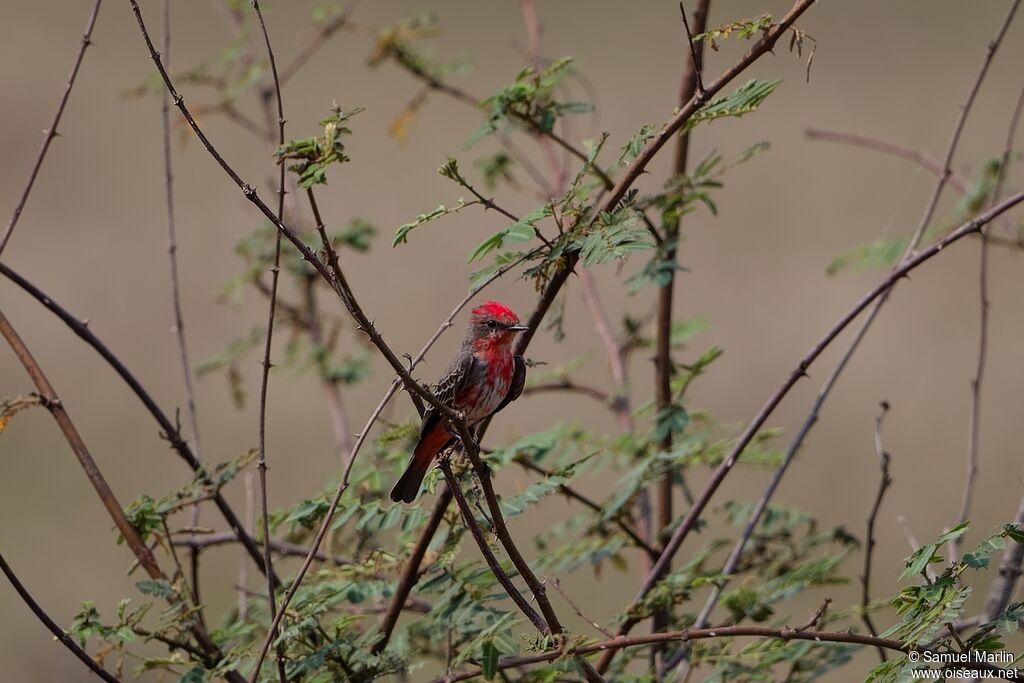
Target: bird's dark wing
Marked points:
447	388
516	386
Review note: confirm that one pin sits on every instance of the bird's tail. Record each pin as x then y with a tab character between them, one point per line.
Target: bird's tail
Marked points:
426	450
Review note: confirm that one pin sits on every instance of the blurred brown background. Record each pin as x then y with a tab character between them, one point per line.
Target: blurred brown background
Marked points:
93	236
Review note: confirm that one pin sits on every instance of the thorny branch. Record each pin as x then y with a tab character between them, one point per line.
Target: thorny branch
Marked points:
869	545
168	429
275	273
826	389
51	132
58	633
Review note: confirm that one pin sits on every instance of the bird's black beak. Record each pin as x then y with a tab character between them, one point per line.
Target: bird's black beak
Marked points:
517	328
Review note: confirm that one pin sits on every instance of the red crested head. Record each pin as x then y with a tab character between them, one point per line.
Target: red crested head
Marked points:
494	310
493	325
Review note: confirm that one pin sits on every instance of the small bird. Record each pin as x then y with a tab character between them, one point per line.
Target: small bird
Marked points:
484	378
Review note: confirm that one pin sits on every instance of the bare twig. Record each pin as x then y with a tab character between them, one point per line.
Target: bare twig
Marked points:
335	406
169	429
700	15
275	273
613	350
570	386
965	111
312	46
579	612
172	256
869	546
172	245
60	634
958	184
983	323
51	132
1013	557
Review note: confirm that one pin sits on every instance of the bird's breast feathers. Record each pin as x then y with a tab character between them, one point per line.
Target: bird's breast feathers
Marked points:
487	388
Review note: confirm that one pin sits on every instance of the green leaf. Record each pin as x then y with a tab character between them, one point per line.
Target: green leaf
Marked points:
746	99
521	231
881	252
159	588
489	660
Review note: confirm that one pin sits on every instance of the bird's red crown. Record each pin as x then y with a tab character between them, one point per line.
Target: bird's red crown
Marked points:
496	310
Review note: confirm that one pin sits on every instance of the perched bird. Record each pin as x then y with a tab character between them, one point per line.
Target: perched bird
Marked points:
484	378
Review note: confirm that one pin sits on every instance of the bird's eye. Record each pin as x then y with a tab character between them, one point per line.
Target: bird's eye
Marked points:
493	324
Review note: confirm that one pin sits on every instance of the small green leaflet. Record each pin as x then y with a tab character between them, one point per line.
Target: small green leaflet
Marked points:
402	234
745	100
489	659
520	231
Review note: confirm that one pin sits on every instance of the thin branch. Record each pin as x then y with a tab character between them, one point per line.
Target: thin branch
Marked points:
1003	585
572	493
410	574
335	406
275	273
168	429
691	89
983	323
570	386
279	547
60	634
312	46
51	132
172	245
485	550
965	110
881	295
696	53
869	547
579	612
621	642
172	256
612	349
53	403
689	521
131	537
958	184
483	474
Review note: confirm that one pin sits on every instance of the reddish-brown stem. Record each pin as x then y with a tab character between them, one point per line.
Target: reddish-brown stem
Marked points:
169	430
131	537
692	87
410	574
53	403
